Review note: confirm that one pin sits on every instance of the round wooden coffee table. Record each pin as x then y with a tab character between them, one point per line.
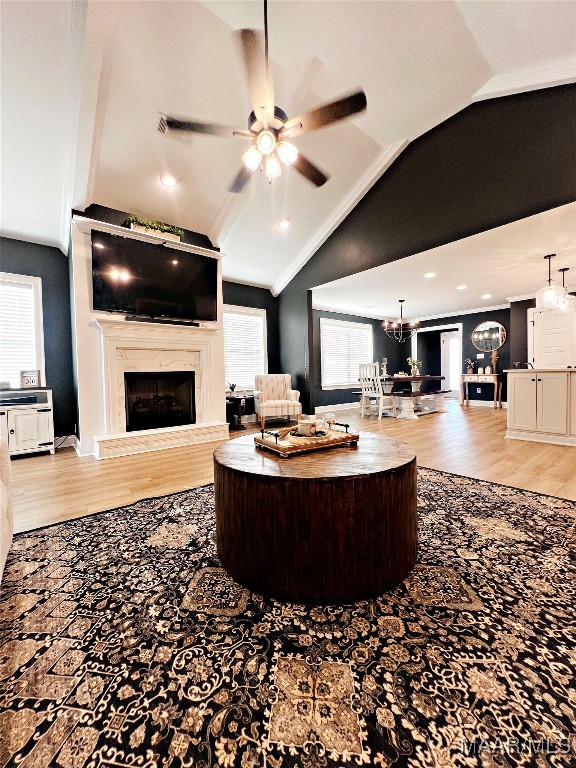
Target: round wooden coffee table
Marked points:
332	526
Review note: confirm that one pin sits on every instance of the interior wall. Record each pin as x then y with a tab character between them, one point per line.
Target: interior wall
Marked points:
519	330
469	323
429	353
383	347
494	162
51	265
240	295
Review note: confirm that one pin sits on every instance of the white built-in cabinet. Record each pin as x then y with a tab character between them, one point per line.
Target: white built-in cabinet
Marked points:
542	405
551	339
26	421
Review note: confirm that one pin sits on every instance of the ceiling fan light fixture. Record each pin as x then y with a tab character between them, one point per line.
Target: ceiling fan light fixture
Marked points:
266	142
168	180
273	168
287	152
252	158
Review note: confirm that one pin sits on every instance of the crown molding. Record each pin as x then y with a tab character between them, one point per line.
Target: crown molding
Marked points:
524	297
341	311
476	311
225	218
370	176
546	75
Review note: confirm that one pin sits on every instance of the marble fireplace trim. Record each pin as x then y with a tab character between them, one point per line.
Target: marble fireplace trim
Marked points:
150	348
154	361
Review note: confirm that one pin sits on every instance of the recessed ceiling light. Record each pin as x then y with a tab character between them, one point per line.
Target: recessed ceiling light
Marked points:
174	261
461	287
284	223
486	296
98	245
429	275
168	180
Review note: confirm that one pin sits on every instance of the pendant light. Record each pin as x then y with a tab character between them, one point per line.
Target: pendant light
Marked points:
552	296
568	303
399	329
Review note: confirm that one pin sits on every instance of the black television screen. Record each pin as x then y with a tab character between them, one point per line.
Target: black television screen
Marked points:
149	280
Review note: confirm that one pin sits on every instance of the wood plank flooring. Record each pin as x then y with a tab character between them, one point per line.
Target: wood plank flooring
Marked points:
466	441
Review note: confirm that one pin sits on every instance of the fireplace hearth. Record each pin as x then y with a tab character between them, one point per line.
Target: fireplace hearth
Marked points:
157	400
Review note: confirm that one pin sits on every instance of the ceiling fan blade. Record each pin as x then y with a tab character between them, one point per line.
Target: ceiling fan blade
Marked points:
325	115
259	86
192	126
243	177
310	171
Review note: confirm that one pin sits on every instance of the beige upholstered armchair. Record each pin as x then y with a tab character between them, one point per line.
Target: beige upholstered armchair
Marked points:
273	396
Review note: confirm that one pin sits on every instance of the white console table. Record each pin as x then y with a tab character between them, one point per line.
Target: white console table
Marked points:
26	420
481	378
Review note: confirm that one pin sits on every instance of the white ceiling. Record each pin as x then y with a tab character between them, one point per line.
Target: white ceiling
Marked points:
83	84
505	262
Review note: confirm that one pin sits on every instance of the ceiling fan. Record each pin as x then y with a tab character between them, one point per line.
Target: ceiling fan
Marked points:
269	128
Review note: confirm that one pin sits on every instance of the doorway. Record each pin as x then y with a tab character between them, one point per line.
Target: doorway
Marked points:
450	366
440	349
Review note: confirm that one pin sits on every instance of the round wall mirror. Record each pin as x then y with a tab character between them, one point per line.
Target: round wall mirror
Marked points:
488	336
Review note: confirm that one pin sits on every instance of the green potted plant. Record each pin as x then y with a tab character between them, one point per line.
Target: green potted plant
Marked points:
414	366
168	231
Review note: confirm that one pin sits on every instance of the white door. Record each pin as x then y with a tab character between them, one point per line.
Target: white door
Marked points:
450	362
553	339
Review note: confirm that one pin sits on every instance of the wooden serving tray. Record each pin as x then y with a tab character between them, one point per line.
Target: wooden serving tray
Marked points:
284	444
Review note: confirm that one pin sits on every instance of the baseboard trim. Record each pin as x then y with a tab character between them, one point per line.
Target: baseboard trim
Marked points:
541	437
71	441
483	404
338	407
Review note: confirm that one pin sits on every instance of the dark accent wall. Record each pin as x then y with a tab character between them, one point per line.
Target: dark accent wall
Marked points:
113	216
519	330
51	265
495	162
469	322
240	295
429	352
395	353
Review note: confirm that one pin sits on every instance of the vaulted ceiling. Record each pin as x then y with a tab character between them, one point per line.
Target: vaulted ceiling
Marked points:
84	84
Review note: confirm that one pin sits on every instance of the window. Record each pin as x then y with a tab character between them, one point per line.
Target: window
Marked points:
244	345
344	346
21	336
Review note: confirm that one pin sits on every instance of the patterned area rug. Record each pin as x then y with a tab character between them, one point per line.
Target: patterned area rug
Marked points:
125	644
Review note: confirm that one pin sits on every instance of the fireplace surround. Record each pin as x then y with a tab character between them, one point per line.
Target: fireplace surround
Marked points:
108	346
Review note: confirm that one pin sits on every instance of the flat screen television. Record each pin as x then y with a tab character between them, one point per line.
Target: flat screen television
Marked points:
148	280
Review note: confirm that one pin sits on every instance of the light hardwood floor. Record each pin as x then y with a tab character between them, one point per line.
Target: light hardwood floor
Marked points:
467	441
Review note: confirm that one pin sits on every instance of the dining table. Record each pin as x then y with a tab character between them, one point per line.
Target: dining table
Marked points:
411	405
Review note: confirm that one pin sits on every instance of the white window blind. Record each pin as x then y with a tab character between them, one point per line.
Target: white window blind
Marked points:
344	346
20	327
244	345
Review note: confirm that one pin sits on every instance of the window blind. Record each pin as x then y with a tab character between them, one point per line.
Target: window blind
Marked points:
244	347
344	346
18	343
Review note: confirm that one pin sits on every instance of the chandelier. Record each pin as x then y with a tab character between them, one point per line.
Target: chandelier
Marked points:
400	329
552	296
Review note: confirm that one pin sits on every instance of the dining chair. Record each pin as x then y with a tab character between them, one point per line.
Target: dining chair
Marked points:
372	396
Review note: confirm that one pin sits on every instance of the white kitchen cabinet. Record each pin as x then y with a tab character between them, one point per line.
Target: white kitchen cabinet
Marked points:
542	406
26	420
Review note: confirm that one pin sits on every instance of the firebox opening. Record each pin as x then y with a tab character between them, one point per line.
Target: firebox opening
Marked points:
156	400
